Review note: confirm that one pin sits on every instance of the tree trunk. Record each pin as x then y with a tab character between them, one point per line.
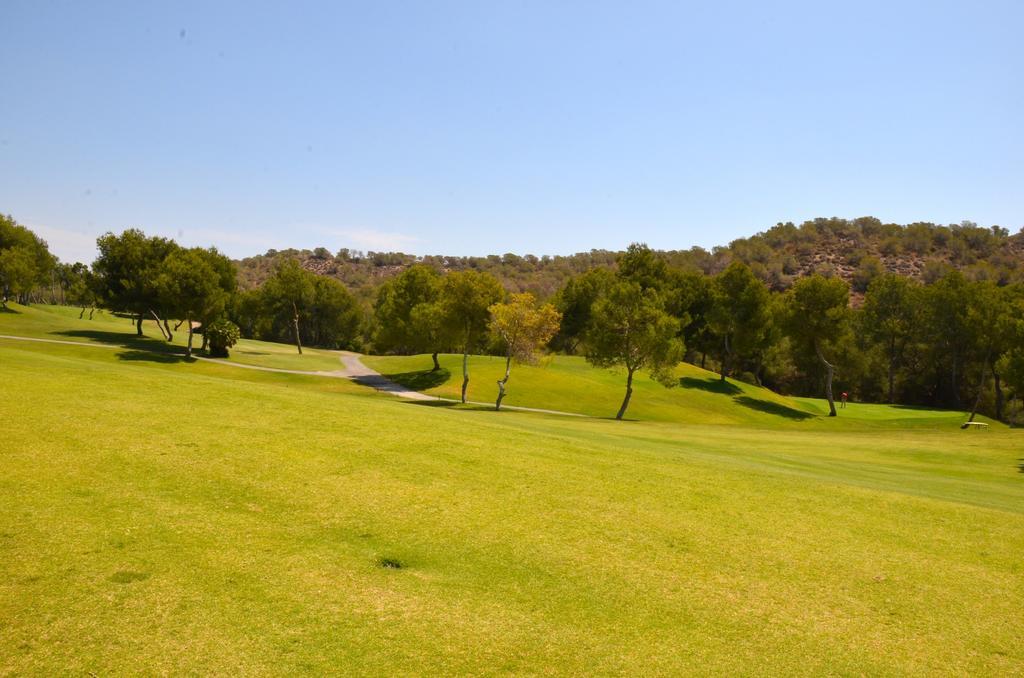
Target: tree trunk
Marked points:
167	326
629	393
295	318
829	371
465	373
437	365
981	388
502	382
726	355
82	313
955	384
138	325
166	335
91	311
999	395
892	371
188	349
206	339
703	358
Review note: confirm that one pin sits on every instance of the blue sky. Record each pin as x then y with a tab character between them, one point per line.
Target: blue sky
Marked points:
489	127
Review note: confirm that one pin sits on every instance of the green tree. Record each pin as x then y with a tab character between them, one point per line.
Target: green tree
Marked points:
222	335
642	265
524	327
631	328
817	316
396	327
189	288
25	261
947	333
739	313
334	316
465	299
984	314
289	293
574	301
126	271
890	317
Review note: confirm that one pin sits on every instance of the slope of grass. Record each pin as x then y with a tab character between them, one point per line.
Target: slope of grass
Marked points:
569	384
194	518
63	323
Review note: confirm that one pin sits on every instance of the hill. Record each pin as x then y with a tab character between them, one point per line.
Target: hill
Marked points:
191	517
569	384
854	250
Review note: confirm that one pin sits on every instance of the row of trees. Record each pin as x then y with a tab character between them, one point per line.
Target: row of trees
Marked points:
953	341
25	261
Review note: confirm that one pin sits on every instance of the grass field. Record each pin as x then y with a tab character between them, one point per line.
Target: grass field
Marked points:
569	384
63	323
158	516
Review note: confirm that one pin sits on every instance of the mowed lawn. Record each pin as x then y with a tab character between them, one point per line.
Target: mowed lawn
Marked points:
170	517
63	323
568	383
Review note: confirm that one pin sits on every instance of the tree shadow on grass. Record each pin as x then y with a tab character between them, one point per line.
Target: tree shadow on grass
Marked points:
5	309
153	357
124	339
710	384
450	404
422	379
142	349
769	407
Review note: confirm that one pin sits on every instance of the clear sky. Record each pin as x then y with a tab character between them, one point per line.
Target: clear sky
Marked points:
488	127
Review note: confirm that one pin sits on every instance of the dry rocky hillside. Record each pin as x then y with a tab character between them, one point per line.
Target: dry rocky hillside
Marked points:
855	250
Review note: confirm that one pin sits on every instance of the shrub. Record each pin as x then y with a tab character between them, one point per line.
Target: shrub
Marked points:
222	335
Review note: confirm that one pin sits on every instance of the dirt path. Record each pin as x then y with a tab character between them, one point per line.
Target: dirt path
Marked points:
352	368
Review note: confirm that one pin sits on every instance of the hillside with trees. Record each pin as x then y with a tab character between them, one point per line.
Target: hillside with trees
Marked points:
919	315
855	250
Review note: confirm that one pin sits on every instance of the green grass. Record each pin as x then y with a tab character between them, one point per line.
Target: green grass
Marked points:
568	383
63	323
173	517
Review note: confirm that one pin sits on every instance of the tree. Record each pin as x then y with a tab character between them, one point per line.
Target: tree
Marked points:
947	331
222	335
644	266
126	270
523	327
189	288
890	317
574	301
290	293
81	290
1010	365
17	273
817	316
334	316
395	308
465	299
983	317
25	261
631	328
739	313
226	276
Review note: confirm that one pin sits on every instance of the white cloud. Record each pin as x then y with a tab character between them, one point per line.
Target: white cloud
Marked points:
69	245
370	239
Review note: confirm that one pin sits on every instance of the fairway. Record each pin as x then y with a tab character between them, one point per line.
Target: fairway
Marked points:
196	518
568	383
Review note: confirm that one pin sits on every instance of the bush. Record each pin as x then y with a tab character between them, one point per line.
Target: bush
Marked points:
222	335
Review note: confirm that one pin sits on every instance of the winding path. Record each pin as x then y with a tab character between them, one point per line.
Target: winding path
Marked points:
352	368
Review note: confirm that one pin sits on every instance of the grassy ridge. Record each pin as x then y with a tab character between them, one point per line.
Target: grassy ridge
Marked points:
198	518
569	384
63	323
